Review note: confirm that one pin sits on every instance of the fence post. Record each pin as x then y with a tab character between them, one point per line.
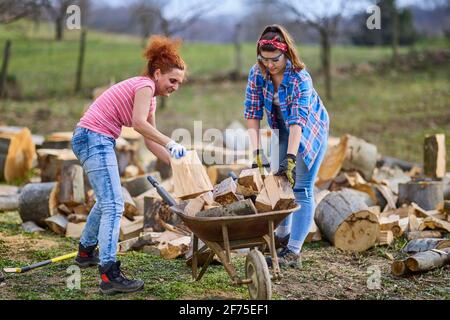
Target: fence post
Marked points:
79	73
4	70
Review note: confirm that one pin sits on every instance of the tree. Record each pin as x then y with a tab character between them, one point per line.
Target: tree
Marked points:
147	14
57	11
12	10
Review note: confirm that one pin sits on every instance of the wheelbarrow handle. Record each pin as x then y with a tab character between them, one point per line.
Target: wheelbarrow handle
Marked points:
161	191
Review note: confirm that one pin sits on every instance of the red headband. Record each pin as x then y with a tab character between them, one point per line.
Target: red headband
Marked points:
274	42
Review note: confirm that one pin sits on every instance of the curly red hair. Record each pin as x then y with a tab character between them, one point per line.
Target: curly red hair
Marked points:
162	53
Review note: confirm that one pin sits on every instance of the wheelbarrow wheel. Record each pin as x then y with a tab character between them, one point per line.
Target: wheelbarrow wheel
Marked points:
256	270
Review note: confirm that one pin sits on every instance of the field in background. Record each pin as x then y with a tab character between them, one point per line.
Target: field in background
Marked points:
392	109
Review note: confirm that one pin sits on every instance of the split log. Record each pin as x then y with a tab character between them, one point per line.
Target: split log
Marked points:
363	196
51	161
279	192
250	182
427	194
424	234
194	206
434	223
428	260
130	210
385	238
74	230
414	223
218	173
71	186
346	221
262	202
138	185
174	248
390	223
390	177
17	151
9	203
225	192
126	154
130	229
38	201
58	140
136	243
57	223
425	244
333	161
156	208
239	208
189	176
434	160
360	156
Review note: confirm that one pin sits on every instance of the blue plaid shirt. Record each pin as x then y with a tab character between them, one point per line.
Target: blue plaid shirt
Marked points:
299	104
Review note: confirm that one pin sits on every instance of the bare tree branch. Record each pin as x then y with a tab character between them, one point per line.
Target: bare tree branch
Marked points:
11	10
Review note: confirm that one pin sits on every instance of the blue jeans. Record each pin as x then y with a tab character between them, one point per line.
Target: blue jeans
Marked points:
97	156
299	222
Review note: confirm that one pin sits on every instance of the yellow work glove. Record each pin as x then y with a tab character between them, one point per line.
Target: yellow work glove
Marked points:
287	168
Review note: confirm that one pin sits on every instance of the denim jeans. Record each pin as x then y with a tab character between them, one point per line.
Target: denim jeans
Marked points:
97	156
299	222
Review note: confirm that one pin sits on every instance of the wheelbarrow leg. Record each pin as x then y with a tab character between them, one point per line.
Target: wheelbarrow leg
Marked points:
194	257
205	266
217	249
273	251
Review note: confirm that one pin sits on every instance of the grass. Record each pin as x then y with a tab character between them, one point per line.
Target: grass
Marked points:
327	273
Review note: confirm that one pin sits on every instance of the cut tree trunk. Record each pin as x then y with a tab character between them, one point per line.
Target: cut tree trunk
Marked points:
428	260
58	140
38	201
360	156
17	152
427	194
385	238
434	160
399	268
420	245
424	234
51	162
239	208
71	186
189	176
346	221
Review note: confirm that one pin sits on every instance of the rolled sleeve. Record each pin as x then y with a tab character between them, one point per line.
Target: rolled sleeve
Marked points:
301	103
253	97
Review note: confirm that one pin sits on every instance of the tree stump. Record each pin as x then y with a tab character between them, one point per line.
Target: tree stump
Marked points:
38	201
344	219
58	140
427	194
17	151
51	161
71	187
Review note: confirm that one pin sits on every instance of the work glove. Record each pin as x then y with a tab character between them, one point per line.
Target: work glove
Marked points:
287	168
260	161
176	150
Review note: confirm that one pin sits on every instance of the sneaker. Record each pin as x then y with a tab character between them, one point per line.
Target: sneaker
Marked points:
114	281
286	258
87	256
281	242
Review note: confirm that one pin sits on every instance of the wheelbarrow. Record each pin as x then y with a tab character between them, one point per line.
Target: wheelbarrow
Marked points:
223	234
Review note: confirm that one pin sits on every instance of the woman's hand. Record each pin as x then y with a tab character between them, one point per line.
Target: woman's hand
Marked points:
287	168
176	150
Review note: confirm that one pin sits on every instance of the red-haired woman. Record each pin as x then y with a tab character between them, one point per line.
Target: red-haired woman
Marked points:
130	103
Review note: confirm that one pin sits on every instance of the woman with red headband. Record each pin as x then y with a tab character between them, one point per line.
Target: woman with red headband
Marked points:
280	85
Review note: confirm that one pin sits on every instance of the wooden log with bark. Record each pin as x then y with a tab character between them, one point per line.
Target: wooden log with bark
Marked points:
130	229
360	156
51	162
427	194
333	161
155	209
130	210
127	154
399	268
424	234
434	160
346	221
428	260
71	185
38	201
189	176
17	151
424	244
58	140
239	208
9	203
385	237
138	185
279	192
57	223
250	182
